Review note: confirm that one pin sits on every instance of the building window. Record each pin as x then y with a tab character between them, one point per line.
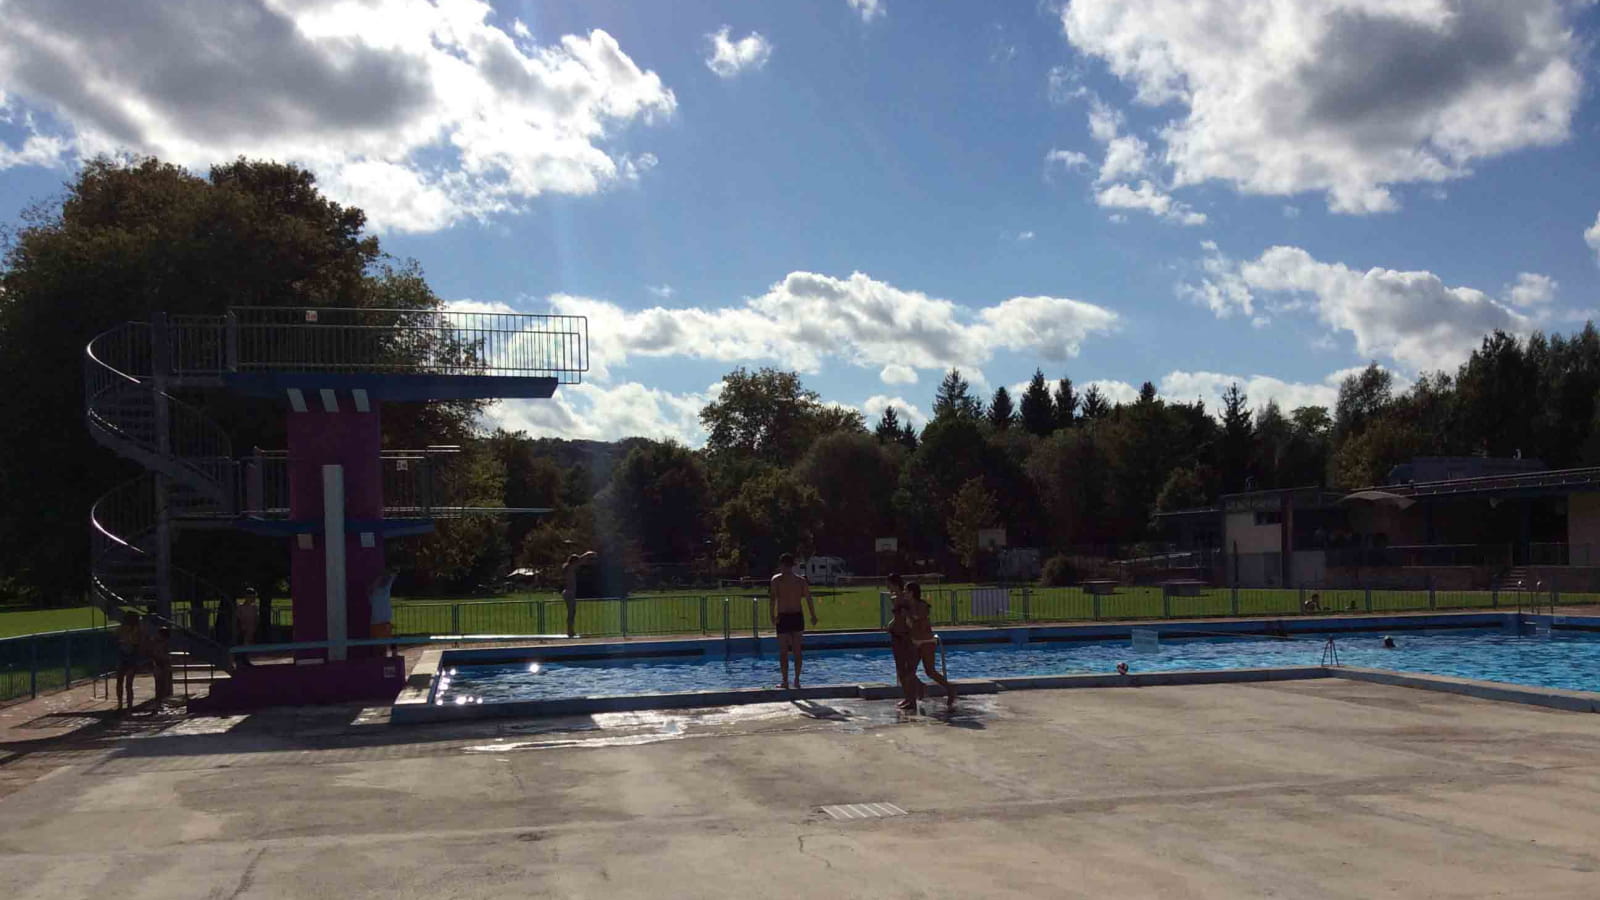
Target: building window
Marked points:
1269	518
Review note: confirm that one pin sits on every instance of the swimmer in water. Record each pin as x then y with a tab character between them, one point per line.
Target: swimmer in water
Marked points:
1388	643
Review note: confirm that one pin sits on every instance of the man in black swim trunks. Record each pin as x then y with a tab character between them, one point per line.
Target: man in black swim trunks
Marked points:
787	590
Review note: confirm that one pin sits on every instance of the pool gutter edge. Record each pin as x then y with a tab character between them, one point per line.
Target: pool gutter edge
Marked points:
1552	698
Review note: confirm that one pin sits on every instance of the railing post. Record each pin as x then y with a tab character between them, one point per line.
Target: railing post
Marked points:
1494	596
703	600
455	618
1166	601
954	596
231	341
755	624
33	665
727	620
622	615
66	661
1433	602
1368	592
1233	600
540	606
1096	597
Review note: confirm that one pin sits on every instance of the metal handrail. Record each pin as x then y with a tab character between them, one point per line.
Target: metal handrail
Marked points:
428	341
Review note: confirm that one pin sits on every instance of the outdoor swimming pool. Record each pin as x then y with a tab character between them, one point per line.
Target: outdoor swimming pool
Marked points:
1562	659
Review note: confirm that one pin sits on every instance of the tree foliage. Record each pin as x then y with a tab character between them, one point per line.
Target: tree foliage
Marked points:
1038	410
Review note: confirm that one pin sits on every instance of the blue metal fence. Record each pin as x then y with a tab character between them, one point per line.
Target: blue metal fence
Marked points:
36	664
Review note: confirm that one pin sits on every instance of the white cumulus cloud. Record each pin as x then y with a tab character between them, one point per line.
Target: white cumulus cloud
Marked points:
1345	97
807	318
1532	289
1151	199
869	9
1591	236
605	413
1413	318
730	57
904	410
898	373
421	113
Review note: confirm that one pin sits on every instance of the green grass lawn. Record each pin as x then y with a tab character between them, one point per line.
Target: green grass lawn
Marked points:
843	609
14	622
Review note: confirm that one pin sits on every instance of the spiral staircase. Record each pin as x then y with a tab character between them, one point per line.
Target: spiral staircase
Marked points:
191	474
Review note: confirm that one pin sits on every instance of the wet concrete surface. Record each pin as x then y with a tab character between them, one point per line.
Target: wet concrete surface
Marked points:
1322	788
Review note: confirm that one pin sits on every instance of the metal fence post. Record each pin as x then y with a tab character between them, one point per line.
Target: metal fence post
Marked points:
883	610
539	605
455	618
1096	605
755	624
1233	600
1494	596
727	620
954	597
1166	601
1433	602
702	613
623	615
1302	599
1027	604
33	665
66	662
1369	598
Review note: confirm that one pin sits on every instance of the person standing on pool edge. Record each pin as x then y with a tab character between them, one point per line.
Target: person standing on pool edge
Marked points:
569	587
786	591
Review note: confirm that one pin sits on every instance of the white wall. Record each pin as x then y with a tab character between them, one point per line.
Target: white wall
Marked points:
1245	536
1583	524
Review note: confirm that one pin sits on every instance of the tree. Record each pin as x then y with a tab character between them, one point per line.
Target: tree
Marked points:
1001	412
772	514
1066	403
1184	490
1070	473
129	239
659	501
972	510
1497	392
1095	406
1236	439
954	399
462	553
855	477
888	430
770	417
1361	398
1038	410
908	437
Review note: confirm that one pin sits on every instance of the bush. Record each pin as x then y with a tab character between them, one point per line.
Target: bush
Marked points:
1059	572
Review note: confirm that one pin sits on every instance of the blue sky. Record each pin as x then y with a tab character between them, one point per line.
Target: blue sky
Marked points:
1182	191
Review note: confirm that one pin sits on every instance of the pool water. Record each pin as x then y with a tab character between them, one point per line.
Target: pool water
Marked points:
1561	660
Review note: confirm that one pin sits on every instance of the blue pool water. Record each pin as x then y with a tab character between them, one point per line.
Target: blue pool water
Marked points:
1561	660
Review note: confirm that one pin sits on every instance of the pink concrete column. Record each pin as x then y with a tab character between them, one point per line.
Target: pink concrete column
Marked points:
354	441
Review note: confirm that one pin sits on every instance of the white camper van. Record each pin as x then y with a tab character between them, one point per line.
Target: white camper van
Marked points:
823	569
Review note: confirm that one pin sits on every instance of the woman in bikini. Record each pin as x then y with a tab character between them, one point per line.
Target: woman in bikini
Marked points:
905	659
925	643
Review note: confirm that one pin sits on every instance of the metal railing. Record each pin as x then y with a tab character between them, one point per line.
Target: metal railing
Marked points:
440	342
736	615
36	664
415	484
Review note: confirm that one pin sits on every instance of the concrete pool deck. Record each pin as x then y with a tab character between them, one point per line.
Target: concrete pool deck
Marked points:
1326	788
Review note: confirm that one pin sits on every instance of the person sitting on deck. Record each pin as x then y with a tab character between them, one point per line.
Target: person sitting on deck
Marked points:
925	643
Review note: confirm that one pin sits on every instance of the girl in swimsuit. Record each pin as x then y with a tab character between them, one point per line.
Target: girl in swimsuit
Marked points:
905	660
925	643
